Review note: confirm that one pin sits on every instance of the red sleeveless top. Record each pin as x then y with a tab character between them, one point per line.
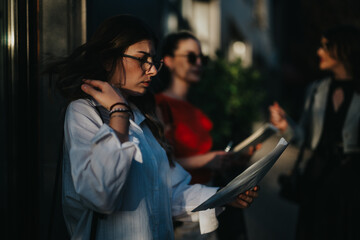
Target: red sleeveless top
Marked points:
187	129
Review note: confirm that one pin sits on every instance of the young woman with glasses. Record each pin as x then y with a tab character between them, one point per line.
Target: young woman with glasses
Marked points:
330	128
187	128
119	181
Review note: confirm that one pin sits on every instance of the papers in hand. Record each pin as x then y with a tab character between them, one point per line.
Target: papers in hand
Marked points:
257	137
246	180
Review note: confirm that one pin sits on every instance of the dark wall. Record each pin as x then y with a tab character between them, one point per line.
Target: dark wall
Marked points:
19	124
149	10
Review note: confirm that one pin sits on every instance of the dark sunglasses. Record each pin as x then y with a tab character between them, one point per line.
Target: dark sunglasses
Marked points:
192	58
145	64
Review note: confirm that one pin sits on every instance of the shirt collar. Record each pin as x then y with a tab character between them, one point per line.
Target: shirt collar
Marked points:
138	116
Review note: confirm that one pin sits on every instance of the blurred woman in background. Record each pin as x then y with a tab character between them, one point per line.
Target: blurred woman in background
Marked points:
330	127
188	129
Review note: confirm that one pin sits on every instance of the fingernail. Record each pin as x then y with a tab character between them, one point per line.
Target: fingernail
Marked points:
84	86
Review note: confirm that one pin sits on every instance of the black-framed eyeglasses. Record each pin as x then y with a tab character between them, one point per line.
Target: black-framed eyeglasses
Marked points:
192	58
145	64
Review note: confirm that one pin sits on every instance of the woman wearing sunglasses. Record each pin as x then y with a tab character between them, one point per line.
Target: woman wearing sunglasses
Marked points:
118	182
187	128
330	128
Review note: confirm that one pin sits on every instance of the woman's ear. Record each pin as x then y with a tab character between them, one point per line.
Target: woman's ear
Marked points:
168	61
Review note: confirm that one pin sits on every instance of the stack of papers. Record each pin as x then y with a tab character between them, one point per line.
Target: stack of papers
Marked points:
246	180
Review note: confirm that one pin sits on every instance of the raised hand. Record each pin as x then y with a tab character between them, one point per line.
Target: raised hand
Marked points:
278	117
102	92
107	96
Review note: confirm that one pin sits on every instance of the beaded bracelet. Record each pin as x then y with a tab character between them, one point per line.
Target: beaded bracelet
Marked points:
124	104
120	110
119	103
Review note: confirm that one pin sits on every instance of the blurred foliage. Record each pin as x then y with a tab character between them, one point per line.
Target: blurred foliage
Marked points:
231	96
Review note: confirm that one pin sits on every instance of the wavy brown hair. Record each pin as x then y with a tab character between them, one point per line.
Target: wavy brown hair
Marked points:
107	45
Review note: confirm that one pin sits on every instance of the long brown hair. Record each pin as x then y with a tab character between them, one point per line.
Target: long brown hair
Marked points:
107	45
343	43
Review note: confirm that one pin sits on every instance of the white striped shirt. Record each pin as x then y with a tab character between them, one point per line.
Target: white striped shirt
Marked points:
130	183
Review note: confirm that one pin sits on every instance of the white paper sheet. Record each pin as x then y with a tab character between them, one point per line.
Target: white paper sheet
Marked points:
259	136
244	181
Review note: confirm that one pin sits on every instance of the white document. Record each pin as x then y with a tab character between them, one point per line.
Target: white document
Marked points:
244	181
258	136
